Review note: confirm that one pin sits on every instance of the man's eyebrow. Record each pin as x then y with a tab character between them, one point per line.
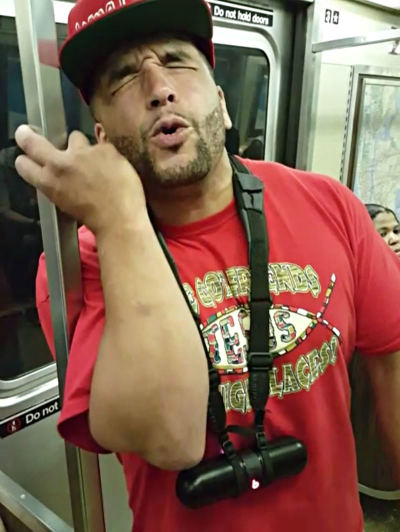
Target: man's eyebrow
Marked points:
119	71
176	54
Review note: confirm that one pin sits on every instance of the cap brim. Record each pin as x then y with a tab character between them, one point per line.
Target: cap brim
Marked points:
81	54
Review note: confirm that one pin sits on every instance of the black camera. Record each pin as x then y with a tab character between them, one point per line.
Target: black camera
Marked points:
215	479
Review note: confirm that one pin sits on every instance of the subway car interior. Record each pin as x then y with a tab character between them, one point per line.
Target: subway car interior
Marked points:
313	84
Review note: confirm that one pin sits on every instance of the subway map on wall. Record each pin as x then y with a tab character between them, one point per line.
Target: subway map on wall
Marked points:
377	163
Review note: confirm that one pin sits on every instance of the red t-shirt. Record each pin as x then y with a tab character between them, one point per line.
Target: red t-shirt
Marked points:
335	287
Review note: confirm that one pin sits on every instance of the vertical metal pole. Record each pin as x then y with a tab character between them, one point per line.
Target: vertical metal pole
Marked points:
37	41
310	88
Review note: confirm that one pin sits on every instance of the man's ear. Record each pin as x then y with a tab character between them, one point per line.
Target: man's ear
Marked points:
99	131
225	114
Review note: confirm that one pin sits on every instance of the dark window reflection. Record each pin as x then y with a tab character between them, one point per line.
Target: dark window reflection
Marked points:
22	346
243	74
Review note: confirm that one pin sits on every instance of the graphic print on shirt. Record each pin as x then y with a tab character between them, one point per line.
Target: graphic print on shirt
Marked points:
226	333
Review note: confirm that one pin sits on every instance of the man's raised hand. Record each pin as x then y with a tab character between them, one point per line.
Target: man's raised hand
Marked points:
94	184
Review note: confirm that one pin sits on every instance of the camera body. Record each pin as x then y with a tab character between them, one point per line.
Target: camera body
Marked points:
215	479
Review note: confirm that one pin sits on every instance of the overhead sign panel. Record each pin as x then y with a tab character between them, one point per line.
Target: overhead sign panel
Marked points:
239	13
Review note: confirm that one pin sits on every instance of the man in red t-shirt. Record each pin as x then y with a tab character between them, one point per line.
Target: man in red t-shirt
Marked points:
137	380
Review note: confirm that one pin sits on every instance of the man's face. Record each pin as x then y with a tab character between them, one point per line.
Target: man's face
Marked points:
158	104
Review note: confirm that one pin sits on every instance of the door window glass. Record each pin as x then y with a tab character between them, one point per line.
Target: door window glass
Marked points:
243	74
22	345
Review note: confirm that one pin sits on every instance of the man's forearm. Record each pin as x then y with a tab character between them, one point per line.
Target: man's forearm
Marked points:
384	373
150	385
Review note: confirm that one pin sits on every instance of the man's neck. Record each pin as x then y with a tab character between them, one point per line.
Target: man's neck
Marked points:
185	205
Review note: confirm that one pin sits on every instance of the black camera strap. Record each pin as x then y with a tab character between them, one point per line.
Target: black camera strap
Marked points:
249	197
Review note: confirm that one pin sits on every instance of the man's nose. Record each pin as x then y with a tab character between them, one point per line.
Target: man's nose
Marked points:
158	87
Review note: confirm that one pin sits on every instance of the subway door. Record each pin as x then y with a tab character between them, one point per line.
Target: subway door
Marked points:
254	56
31	452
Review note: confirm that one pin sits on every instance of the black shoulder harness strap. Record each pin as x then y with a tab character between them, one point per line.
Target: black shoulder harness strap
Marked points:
249	197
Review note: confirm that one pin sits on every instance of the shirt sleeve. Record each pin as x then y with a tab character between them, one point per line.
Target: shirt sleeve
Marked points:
377	295
88	318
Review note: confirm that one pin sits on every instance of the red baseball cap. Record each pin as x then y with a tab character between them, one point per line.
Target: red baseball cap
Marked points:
98	27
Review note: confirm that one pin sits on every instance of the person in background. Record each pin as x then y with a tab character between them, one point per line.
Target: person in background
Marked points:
387	225
375	464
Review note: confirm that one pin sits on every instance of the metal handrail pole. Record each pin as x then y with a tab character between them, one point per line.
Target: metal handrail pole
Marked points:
375	37
37	41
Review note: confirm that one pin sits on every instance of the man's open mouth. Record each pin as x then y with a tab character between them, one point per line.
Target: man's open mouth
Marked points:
169	125
170	132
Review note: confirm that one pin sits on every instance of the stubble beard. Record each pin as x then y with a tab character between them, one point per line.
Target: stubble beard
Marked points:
209	147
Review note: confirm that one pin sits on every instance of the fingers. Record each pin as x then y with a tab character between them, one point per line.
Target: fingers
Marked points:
77	140
36	147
